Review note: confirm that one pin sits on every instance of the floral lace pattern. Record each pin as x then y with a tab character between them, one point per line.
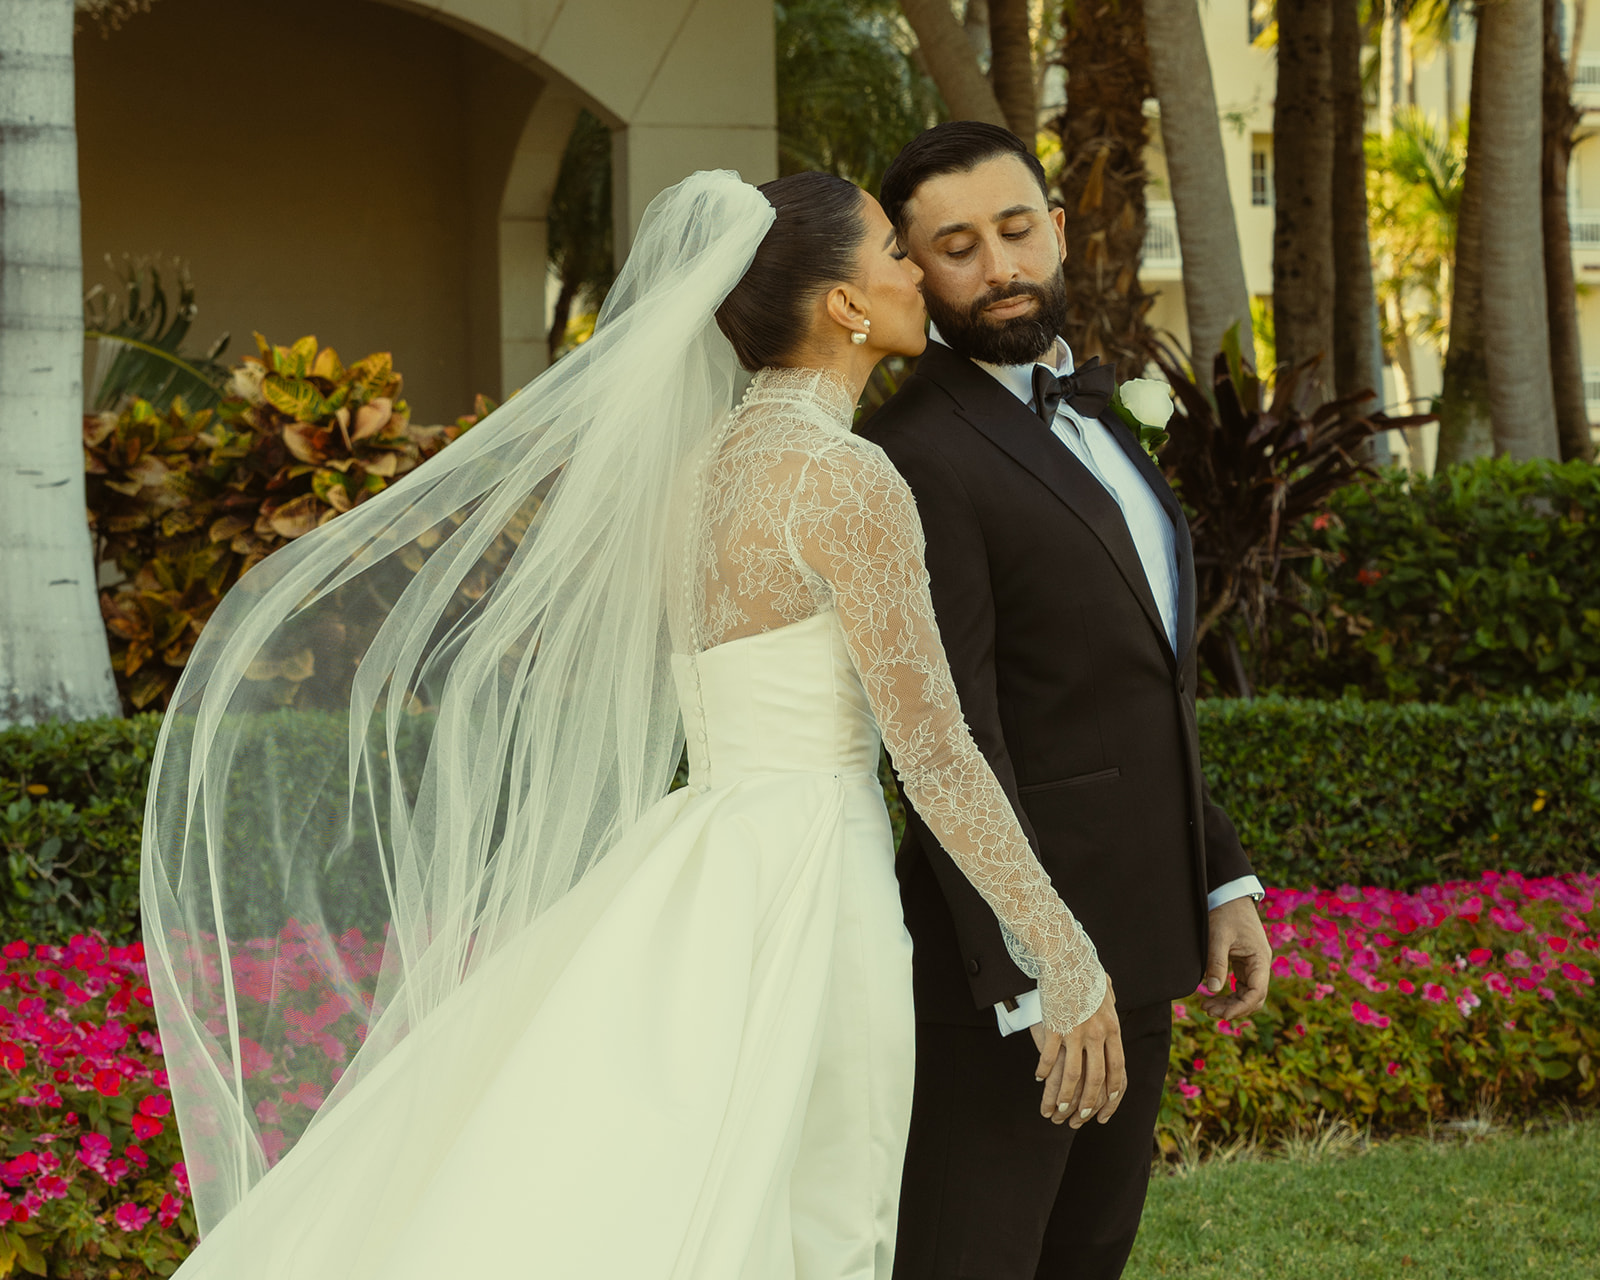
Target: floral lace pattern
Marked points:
791	514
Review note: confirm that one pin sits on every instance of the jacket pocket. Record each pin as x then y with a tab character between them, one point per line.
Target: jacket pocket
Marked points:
1081	780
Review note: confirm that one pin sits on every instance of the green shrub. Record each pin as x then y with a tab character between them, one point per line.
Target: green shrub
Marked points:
1483	581
71	805
1323	793
1402	794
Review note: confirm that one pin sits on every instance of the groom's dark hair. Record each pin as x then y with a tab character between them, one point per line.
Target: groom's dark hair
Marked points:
957	146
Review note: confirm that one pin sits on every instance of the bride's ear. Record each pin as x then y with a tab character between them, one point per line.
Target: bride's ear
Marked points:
844	306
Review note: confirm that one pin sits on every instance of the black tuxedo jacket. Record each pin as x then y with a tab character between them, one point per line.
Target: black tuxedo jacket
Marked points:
1071	690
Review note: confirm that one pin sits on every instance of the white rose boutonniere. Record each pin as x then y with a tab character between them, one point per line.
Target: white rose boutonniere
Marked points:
1145	405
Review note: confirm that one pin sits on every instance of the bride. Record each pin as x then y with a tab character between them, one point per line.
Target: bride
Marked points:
448	983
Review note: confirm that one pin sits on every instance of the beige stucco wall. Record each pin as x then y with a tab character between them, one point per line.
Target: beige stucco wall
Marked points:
377	173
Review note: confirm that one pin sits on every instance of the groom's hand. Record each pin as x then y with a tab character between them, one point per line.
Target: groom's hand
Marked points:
1083	1072
1239	943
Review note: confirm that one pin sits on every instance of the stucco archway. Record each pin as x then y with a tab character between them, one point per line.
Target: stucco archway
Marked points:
377	172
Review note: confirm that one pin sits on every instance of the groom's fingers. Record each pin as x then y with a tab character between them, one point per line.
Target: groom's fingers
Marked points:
1216	974
1093	1095
1116	1078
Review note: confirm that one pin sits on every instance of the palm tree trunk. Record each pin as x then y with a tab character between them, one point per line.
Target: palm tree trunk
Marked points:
1215	295
1103	136
1302	153
1561	118
1465	431
1011	66
951	62
54	661
1507	128
1356	346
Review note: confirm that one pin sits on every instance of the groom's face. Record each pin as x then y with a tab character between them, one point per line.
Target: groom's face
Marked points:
991	251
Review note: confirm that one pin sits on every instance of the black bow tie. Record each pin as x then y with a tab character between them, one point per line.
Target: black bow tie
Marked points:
1087	391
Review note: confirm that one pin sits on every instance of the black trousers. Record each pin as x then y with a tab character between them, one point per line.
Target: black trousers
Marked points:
993	1191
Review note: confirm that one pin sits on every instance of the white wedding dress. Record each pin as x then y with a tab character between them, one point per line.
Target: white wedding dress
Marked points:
699	1062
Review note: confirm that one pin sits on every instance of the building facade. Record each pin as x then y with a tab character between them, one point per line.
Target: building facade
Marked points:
377	172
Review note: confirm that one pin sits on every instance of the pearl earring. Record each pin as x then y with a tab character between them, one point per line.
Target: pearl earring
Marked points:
860	338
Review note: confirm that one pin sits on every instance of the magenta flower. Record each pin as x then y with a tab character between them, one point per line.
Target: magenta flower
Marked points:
132	1217
1406	986
51	1186
1433	991
146	1127
1366	1017
1467	1001
1393	1068
171	1207
1188	1090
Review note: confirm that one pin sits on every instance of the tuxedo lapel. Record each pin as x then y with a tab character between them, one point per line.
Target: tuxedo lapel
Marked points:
1183	547
992	410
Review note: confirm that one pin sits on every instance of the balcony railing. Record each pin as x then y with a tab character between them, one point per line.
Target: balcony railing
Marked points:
1160	251
1585	225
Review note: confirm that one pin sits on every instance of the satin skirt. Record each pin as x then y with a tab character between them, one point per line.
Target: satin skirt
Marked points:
698	1064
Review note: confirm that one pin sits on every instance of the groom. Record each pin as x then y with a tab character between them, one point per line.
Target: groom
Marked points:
1063	581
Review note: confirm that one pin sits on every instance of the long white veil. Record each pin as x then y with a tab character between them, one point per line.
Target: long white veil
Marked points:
407	734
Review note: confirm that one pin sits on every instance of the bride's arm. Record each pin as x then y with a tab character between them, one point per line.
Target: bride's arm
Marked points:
854	524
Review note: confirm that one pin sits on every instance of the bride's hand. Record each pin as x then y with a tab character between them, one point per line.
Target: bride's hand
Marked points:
1083	1072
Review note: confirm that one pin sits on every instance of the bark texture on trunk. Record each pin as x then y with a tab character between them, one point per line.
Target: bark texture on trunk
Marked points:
951	62
1561	119
1356	346
1302	158
1011	66
1103	134
1507	130
1215	295
1465	431
54	660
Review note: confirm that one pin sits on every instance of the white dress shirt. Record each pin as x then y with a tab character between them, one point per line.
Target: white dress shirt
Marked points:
1153	537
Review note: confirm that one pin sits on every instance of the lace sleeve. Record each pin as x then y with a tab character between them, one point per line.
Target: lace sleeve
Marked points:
854	525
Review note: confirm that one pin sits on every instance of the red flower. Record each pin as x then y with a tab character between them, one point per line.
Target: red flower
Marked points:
171	1207
107	1082
11	1056
132	1217
1322	521
1368	577
146	1127
15	951
1479	956
154	1105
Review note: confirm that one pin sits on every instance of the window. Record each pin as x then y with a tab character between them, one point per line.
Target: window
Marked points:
1261	193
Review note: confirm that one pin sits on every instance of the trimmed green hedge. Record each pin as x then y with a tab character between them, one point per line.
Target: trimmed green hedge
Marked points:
1403	794
1323	793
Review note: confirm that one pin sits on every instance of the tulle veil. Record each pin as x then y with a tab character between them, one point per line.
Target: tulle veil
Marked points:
406	735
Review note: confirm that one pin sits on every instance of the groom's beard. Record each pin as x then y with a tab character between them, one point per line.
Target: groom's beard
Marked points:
968	332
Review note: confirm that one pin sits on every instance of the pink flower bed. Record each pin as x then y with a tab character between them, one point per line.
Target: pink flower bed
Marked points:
91	1170
1386	1007
1391	1008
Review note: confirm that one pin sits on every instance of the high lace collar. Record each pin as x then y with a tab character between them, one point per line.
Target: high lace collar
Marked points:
823	391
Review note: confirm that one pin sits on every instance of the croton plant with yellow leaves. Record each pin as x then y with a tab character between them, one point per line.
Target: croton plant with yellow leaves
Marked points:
182	502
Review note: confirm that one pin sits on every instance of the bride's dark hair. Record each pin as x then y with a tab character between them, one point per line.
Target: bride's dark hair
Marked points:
810	246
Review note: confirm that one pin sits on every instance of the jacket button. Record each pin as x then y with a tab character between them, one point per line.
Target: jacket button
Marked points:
973	966
1182	686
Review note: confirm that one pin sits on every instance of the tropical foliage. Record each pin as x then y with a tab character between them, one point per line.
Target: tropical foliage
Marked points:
1414	177
1248	463
184	501
850	91
1398	1010
139	332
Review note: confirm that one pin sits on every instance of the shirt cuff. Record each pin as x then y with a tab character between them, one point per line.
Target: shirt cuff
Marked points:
1243	887
1027	1013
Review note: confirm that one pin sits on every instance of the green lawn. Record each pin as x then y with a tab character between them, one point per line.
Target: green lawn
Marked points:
1525	1205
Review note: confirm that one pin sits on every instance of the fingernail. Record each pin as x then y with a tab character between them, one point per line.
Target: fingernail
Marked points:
1062	1106
1085	1113
1038	1079
1116	1093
